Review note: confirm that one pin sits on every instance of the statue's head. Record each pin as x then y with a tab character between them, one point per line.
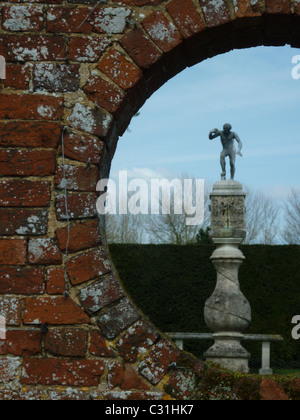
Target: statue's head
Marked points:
227	128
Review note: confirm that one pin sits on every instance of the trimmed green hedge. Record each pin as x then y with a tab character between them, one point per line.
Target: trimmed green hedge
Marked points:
171	284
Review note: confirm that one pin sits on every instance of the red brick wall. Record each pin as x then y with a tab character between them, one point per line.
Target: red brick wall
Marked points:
76	74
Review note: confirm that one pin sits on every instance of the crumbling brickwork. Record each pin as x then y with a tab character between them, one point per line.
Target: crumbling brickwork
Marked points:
77	72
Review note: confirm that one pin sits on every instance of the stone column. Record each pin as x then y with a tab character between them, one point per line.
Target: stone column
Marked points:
227	311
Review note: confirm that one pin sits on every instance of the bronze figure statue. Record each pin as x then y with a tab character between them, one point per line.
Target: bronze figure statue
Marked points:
229	150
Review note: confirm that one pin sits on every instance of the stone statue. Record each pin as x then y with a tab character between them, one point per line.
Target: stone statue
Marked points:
229	150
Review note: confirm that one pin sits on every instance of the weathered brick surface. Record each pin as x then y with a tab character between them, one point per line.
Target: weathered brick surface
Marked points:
80	236
54	310
80	206
22	280
83	148
21	343
162	31
100	294
62	372
156	364
23	222
120	70
105	94
76	74
29	134
88	266
125	377
24	193
30	107
76	178
186	17
43	251
13	251
100	347
117	319
67	342
56	282
27	162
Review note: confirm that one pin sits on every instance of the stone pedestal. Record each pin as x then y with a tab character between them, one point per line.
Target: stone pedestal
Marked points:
227	311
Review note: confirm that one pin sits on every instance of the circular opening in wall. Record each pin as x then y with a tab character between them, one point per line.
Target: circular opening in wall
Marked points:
163	262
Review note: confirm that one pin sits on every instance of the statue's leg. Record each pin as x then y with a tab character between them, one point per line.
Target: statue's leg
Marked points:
232	165
223	166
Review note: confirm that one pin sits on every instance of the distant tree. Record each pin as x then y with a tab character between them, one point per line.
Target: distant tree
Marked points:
291	230
124	229
262	218
171	228
203	236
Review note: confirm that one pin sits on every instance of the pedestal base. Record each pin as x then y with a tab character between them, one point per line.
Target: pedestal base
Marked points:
229	353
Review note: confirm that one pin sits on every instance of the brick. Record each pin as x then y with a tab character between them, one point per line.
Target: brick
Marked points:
105	94
13	251
19	18
87	266
27	162
62	372
81	236
30	107
87	49
138	336
272	391
247	8
100	347
43	251
17	76
111	20
83	148
68	20
69	394
215	13
139	2
29	134
117	318
124	377
9	369
140	48
278	6
121	71
156	364
67	342
23	222
182	384
55	310
56	77
162	31
21	343
56	284
21	280
77	178
91	120
101	293
32	47
10	309
23	193
80	206
186	17
115	395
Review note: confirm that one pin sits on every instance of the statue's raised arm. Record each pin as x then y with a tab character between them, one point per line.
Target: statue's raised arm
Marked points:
214	134
229	150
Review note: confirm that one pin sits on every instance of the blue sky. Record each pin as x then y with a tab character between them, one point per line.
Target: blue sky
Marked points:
252	89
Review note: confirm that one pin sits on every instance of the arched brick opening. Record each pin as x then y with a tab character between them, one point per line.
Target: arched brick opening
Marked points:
76	75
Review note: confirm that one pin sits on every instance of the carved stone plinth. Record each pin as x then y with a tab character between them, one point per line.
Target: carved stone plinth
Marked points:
227	311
